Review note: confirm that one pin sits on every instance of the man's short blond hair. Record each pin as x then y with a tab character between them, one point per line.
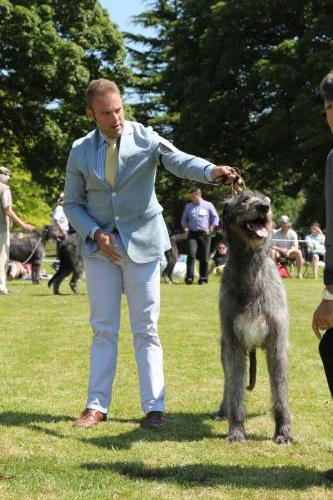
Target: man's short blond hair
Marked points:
100	87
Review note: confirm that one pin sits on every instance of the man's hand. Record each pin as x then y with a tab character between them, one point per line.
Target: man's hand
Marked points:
323	317
107	244
226	175
27	228
281	251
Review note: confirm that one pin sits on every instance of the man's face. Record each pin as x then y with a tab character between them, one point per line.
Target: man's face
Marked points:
195	198
4	176
108	113
328	113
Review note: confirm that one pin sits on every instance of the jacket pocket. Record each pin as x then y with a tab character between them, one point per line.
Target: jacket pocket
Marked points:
151	211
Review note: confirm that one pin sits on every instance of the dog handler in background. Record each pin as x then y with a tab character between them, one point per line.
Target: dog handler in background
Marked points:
110	201
7	214
323	315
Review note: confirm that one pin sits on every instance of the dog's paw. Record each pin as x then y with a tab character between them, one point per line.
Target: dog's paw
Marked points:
237	435
283	438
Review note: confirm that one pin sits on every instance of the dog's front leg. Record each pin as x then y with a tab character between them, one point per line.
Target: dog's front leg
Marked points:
234	365
35	273
277	362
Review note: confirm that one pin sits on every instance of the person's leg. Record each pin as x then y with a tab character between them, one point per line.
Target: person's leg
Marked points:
104	286
142	287
203	254
326	353
4	260
275	255
297	255
315	265
191	256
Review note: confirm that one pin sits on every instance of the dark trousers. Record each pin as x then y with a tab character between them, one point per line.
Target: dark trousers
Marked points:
326	353
198	247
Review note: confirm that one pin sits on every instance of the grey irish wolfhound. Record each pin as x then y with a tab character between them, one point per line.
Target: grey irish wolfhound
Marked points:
254	312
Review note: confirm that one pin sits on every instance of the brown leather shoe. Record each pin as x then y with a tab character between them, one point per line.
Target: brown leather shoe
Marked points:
89	418
154	420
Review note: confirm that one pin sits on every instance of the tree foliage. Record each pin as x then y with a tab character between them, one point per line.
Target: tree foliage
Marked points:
237	81
49	50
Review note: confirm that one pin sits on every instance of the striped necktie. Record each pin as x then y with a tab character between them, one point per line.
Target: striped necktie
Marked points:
111	161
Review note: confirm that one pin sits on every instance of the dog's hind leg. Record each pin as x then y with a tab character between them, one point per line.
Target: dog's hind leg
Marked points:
74	282
277	363
57	279
234	366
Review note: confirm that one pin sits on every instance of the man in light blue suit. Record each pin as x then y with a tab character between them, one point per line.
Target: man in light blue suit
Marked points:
110	200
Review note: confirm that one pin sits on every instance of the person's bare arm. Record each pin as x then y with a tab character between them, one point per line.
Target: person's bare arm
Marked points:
16	219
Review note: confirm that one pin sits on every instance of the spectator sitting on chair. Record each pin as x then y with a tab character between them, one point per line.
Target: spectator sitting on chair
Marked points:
285	244
219	259
315	244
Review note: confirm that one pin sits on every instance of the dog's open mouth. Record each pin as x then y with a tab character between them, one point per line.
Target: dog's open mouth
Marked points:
257	228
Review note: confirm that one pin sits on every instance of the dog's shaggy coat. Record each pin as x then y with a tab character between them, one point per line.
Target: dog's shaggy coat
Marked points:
254	312
31	250
70	262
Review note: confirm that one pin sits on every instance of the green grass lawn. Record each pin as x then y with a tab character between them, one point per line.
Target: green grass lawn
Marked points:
44	369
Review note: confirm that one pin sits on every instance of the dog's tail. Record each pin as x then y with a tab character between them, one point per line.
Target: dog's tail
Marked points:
252	370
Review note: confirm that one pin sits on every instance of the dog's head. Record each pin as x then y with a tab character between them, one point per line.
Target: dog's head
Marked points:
46	233
247	219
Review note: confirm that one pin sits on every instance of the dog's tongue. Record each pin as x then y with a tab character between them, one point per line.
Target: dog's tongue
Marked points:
257	228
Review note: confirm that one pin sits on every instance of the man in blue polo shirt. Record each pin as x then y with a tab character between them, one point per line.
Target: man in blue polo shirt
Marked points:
199	219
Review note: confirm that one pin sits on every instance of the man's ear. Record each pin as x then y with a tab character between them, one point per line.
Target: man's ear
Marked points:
90	114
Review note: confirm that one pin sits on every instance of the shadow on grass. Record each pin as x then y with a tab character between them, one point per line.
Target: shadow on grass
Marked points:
181	427
31	421
274	478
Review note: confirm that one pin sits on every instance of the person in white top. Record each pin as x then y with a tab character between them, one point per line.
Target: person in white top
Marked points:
285	244
59	218
315	243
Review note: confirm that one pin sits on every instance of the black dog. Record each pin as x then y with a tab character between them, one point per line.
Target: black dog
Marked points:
31	250
70	262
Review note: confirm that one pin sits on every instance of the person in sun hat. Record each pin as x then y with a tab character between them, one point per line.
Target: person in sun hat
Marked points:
7	215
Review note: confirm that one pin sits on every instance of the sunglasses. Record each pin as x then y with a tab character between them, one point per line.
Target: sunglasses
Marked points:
324	113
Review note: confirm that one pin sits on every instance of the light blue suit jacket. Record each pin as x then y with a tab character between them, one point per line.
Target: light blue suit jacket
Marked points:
131	205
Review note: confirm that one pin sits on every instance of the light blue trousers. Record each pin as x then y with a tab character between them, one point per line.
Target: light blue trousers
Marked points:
141	283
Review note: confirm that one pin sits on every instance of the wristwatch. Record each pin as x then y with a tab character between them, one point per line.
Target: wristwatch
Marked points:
327	295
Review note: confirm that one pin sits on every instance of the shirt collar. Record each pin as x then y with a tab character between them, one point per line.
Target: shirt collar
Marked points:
102	139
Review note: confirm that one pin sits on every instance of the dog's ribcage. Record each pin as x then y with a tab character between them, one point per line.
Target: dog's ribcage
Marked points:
254	289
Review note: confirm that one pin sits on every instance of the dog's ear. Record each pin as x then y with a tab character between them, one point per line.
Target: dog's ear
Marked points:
226	208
